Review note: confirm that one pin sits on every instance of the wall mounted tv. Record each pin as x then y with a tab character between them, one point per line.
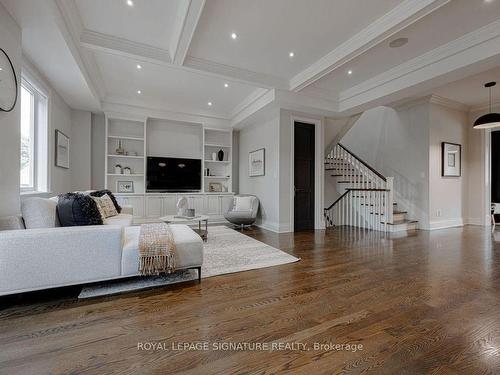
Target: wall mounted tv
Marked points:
173	174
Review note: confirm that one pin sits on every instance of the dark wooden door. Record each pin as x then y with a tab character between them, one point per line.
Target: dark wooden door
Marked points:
304	177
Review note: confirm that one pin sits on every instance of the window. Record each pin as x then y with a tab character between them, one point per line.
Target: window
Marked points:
34	139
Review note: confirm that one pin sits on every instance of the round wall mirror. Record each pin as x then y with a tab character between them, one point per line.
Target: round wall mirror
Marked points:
8	83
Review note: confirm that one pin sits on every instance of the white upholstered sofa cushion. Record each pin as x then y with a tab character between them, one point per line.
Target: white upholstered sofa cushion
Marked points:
124	220
45	258
189	248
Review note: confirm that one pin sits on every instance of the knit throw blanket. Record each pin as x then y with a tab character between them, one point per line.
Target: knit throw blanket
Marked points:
156	249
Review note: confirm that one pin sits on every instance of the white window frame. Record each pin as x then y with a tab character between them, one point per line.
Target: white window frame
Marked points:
40	135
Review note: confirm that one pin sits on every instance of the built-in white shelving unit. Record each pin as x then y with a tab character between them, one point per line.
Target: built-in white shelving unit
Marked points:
142	137
217	172
131	134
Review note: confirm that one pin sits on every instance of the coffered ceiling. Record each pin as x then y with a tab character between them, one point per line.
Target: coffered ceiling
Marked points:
224	59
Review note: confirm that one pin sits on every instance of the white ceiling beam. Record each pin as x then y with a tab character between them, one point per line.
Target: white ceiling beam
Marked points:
470	54
188	16
70	26
397	19
236	74
123	47
142	52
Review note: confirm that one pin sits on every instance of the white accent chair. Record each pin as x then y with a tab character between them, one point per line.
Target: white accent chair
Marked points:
242	217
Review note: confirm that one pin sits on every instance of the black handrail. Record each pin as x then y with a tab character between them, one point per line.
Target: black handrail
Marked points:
363	162
348	190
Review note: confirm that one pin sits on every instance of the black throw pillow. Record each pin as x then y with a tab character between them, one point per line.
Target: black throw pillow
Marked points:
76	209
100	193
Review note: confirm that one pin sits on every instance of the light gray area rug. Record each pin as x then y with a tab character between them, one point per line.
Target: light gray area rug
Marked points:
226	251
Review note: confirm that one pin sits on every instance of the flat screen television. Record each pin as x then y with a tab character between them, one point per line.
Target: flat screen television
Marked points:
173	174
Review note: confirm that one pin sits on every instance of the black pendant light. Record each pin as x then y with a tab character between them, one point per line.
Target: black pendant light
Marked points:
489	120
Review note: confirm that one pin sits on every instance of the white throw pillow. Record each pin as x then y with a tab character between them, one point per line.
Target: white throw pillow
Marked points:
243	203
39	213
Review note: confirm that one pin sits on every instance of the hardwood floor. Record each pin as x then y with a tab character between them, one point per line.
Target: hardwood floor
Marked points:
423	304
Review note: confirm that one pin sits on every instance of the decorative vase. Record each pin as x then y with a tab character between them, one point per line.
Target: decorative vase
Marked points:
127	170
118	169
220	155
214	156
120	150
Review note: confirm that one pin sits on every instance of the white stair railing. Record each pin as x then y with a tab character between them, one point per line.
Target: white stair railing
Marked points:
367	199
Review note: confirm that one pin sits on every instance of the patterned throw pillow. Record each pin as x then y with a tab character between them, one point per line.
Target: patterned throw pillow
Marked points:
100	193
105	206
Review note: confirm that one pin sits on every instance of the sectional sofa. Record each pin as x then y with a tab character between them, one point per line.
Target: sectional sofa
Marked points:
42	258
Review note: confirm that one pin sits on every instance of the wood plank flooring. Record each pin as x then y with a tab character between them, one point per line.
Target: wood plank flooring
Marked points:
427	303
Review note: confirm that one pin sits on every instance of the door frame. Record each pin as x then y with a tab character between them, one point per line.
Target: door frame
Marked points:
319	170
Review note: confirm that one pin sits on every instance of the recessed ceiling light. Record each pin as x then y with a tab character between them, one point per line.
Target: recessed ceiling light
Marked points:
399	42
209	104
291	54
139	91
130	3
233	36
1	69
226	85
139	66
349	72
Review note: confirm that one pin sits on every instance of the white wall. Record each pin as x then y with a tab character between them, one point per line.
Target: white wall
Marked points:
60	119
98	150
396	144
174	139
81	169
10	42
253	137
447	195
405	143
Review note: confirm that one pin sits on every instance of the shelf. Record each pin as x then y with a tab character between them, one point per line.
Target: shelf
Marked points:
218	177
125	175
125	156
217	161
126	138
216	145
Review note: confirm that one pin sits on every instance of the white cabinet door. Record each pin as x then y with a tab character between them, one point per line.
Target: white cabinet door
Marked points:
213	205
226	201
154	207
138	205
169	205
197	202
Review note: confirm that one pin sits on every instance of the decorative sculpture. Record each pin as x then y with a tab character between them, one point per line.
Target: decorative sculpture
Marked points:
182	206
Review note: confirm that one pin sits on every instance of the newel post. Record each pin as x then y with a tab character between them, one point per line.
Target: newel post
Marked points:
390	199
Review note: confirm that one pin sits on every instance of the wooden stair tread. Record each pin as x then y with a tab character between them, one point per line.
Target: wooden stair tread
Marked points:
399	222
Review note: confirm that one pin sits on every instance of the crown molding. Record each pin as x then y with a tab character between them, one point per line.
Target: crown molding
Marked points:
237	74
119	99
254	95
485	106
395	20
252	108
163	114
473	47
448	103
188	17
124	47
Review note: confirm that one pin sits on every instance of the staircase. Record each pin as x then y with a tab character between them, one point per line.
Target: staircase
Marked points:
366	196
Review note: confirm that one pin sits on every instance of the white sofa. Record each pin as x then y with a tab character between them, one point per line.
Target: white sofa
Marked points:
35	259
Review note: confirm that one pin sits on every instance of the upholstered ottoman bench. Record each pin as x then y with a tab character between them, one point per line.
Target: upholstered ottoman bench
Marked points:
188	249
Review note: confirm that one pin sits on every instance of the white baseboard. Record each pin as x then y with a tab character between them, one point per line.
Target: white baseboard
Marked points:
274	227
442	224
476	221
